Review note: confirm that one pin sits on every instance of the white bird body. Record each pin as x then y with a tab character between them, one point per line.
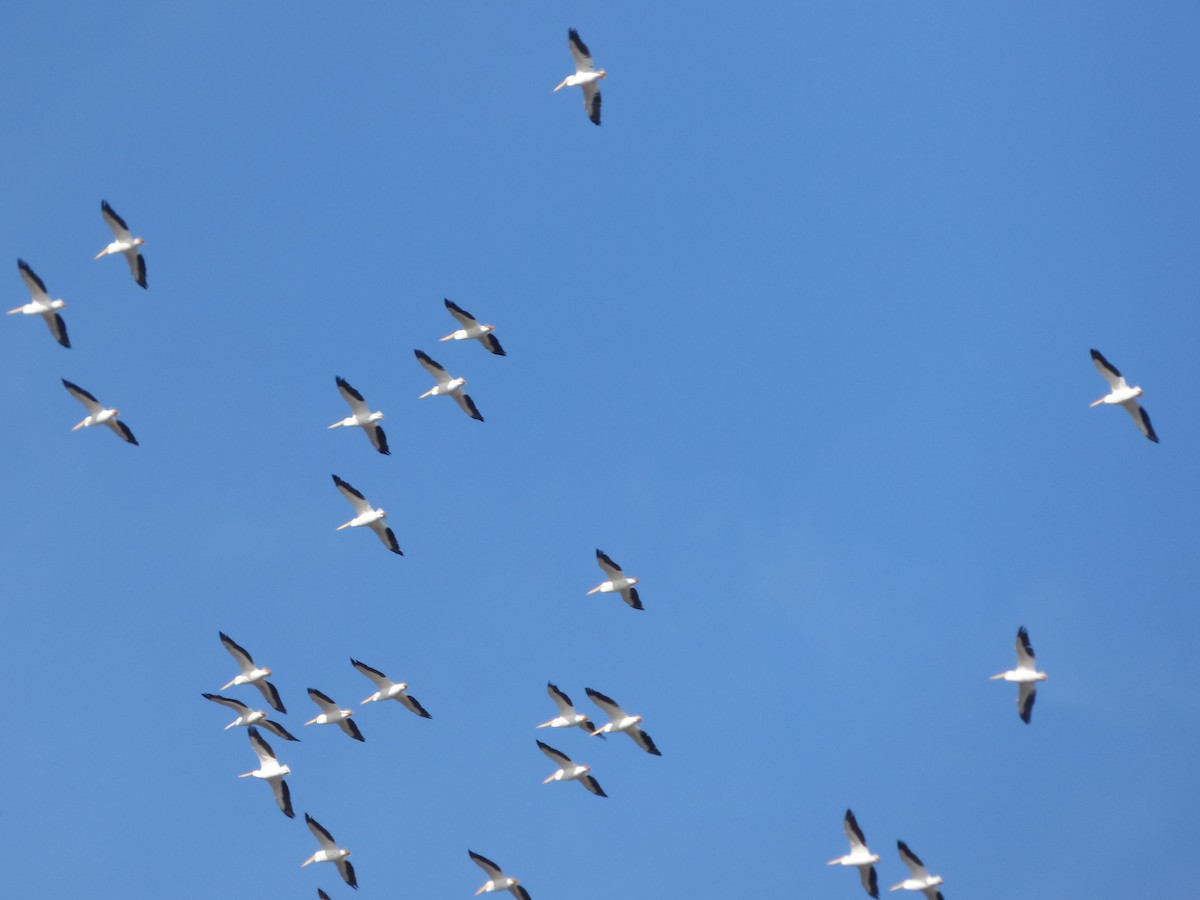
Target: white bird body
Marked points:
250	674
921	879
270	771
330	852
568	770
586	76
1121	394
497	880
1025	675
332	715
447	386
98	414
367	516
40	304
859	856
618	582
389	690
125	243
472	330
362	417
567	716
622	722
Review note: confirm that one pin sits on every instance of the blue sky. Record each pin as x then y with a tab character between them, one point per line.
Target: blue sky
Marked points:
799	336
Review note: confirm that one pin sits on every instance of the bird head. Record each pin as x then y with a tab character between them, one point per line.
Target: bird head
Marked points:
601	74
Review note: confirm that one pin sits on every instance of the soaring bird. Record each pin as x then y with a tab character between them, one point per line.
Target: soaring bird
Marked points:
617	581
567	716
372	518
330	852
447	385
1025	675
389	690
472	330
859	856
921	879
99	414
362	417
1121	393
42	305
250	674
332	715
124	242
248	716
585	76
570	771
270	771
622	722
497	880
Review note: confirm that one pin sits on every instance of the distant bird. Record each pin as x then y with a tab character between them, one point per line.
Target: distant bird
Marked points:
372	518
330	852
331	715
921	879
617	581
251	674
1123	394
585	76
124	242
1025	675
42	305
622	722
570	771
447	385
363	417
472	330
497	880
247	716
389	690
567	716
859	856
98	414
270	771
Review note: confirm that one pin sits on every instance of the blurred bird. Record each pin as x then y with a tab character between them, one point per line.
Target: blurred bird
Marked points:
585	76
124	242
99	414
859	856
1025	675
40	304
270	771
1122	394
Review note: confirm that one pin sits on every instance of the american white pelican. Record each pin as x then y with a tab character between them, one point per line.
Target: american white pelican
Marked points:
124	242
251	674
332	715
585	76
1025	675
921	879
372	518
570	771
270	771
617	581
447	385
42	305
1123	394
363	417
472	330
622	721
389	690
248	716
567	717
497	880
98	414
859	856
330	852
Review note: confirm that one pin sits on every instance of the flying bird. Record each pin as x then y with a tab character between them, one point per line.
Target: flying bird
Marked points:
1025	675
622	722
585	76
250	674
447	385
570	771
617	581
248	716
42	305
497	880
330	852
124	242
1123	394
372	518
859	856
921	879
567	716
332	715
270	771
98	414
389	690
472	330
363	417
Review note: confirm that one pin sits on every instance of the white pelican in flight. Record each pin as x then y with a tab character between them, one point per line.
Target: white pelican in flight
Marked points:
124	242
472	330
363	417
859	856
248	716
251	674
567	717
330	852
1123	394
372	518
921	879
617	581
270	771
98	414
1025	675
570	771
389	690
497	880
585	76
332	715
447	385
622	721
42	305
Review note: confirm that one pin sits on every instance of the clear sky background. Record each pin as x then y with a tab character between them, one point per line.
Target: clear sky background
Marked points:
799	336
